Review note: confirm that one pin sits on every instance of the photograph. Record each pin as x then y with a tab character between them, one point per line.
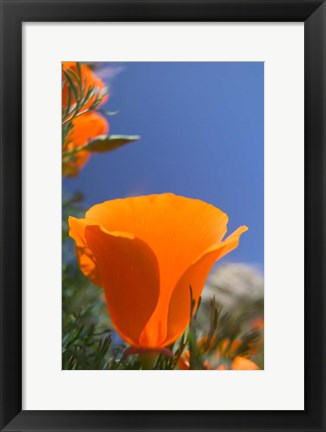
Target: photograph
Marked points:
162	215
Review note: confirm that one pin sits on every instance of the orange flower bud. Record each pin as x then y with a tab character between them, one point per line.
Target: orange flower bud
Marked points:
85	128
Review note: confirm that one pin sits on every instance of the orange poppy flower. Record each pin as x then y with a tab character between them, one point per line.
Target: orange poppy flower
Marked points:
146	252
85	128
90	81
243	363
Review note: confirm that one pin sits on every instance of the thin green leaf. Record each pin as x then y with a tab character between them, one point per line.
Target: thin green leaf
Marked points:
104	144
71	84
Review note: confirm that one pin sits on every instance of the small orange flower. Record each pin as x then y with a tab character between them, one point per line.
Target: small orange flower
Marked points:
222	367
183	363
89	80
85	128
242	363
146	252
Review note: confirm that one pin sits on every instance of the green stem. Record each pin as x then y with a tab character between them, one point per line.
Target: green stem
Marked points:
148	360
79	113
74	150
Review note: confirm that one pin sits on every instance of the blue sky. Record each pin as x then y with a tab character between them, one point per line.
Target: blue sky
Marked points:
202	136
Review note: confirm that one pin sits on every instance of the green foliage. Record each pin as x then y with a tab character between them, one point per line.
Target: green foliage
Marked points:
77	91
82	347
86	330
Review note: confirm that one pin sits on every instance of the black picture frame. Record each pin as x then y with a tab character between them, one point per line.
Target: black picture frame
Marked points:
16	12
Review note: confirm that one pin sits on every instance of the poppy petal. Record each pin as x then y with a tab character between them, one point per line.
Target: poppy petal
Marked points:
164	219
130	274
176	228
85	257
195	277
